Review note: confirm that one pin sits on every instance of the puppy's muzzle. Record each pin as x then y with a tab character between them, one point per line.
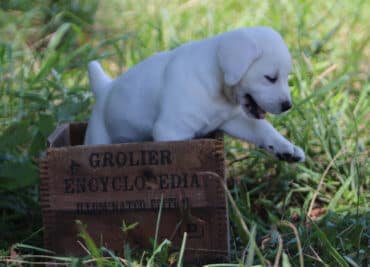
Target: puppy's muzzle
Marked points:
285	105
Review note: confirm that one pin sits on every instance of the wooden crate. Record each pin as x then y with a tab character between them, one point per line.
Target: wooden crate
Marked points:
106	184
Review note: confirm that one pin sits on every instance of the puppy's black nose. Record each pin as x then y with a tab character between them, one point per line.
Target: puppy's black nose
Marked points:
285	105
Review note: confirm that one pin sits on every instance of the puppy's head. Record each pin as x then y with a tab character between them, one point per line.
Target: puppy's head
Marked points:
255	63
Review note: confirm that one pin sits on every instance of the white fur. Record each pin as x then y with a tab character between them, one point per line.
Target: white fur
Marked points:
195	89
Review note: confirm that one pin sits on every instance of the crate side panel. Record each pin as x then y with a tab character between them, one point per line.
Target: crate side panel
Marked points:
103	185
134	170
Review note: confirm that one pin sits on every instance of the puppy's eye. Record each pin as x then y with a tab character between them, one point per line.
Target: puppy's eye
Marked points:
271	79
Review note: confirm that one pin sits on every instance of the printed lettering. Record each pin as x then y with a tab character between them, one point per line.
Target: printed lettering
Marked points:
135	204
139	183
79	207
93	185
131	158
185	203
194	181
163	181
82	207
114	205
153	157
171	203
108	207
68	186
73	167
116	183
132	162
168	203
121	159
108	158
104	182
80	185
143	157
179	182
166	157
147	181
126	187
94	160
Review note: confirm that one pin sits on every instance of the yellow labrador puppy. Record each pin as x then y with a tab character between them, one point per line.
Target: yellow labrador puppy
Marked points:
225	82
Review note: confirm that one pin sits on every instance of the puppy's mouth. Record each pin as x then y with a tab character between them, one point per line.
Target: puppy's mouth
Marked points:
253	108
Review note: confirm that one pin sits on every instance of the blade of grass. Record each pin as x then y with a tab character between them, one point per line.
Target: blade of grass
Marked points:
333	252
182	250
127	251
340	152
286	262
157	224
227	265
323	90
58	36
299	245
252	246
353	264
114	257
333	202
280	250
95	252
25	246
159	248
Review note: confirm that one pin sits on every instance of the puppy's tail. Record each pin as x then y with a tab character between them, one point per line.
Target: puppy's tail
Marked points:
99	81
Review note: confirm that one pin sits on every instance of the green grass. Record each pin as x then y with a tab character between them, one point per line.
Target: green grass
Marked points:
44	49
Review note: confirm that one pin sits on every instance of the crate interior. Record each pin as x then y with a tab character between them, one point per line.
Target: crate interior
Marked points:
71	134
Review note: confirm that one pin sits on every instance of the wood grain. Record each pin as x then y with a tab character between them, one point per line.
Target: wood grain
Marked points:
106	184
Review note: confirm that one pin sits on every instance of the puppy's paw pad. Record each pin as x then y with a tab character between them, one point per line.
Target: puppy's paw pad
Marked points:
296	156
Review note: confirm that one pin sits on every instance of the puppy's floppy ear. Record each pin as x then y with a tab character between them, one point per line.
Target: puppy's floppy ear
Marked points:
236	52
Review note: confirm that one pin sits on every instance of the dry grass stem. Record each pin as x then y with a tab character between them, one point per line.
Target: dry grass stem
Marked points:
340	152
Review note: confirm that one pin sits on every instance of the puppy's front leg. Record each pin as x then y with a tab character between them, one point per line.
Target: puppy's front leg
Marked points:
263	134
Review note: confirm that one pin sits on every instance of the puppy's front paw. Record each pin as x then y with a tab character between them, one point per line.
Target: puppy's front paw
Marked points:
295	155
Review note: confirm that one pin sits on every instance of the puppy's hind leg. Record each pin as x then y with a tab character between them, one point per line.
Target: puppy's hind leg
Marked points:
165	131
96	133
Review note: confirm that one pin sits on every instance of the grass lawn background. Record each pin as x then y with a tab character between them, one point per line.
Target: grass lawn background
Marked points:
44	50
